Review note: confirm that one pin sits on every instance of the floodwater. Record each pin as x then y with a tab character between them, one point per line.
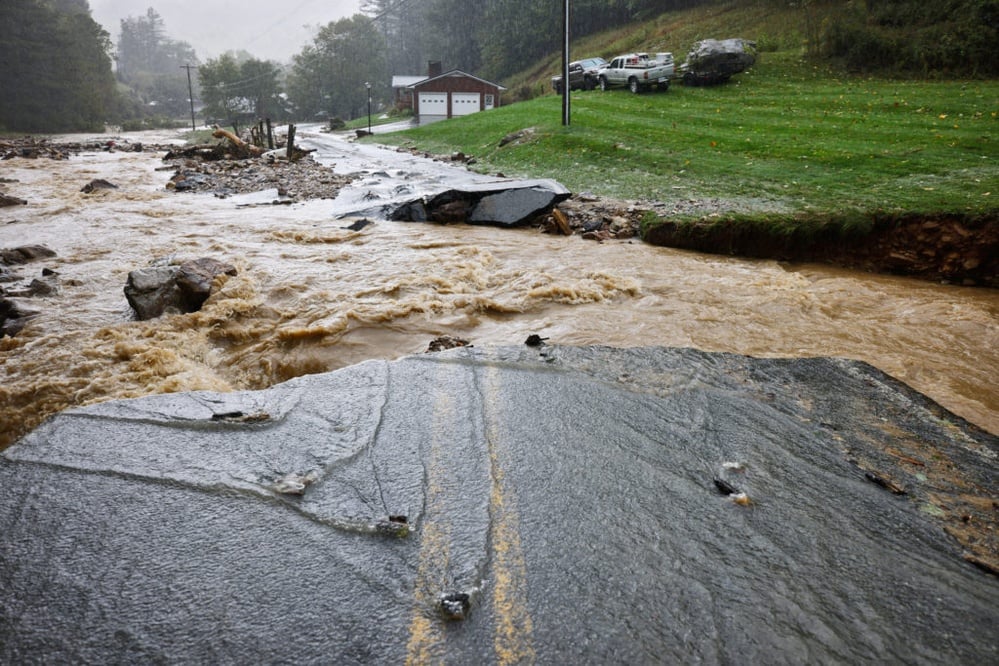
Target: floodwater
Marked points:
312	296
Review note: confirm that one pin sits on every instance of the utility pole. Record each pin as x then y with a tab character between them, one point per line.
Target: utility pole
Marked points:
565	64
190	93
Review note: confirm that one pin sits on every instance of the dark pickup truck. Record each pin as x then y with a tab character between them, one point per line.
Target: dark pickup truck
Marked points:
582	74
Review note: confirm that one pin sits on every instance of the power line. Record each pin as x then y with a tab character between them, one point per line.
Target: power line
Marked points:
236	84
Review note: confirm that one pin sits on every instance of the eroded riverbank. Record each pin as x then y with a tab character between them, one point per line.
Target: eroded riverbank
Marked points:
312	296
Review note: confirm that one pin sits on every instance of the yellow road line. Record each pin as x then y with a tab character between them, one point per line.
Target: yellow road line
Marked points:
513	633
513	640
426	637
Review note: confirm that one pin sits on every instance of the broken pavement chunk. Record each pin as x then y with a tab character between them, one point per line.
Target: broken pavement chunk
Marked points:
455	605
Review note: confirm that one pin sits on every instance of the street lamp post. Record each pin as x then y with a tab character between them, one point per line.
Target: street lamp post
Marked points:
368	86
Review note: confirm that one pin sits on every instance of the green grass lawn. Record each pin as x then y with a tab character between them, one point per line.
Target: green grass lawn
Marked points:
788	135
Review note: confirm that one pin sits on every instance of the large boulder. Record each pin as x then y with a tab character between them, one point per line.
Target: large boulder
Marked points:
159	290
716	60
153	291
195	278
565	505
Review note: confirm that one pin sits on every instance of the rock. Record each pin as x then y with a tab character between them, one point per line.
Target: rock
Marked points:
598	235
13	317
715	61
358	225
194	280
566	489
44	287
153	291
452	212
303	179
446	342
98	184
157	290
455	605
517	137
7	200
188	180
535	340
25	254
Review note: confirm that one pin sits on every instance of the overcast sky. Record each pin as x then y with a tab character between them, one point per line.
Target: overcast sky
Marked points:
268	29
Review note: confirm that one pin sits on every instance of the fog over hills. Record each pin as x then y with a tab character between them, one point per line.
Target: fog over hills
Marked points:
265	28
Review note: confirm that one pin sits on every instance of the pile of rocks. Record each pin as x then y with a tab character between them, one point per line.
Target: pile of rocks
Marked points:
596	218
295	181
29	147
14	313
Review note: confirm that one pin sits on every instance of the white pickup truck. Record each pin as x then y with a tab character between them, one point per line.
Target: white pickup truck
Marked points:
638	71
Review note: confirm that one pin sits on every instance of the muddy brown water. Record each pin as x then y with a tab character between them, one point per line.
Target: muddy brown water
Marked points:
311	296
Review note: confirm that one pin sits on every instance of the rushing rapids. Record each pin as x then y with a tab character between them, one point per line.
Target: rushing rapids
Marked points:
311	295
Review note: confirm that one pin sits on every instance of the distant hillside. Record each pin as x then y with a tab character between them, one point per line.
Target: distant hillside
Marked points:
910	38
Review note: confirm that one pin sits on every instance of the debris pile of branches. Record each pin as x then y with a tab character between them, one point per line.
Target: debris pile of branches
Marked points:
234	147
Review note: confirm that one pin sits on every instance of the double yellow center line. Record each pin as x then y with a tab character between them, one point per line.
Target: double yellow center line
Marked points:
513	629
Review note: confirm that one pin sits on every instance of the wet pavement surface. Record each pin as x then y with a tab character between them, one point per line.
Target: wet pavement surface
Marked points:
544	503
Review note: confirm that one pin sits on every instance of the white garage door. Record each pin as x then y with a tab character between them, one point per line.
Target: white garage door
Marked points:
463	104
433	104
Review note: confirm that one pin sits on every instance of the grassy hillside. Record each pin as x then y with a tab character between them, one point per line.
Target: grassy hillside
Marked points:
784	27
787	135
795	155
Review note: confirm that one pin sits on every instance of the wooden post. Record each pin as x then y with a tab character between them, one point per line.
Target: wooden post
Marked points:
270	135
291	141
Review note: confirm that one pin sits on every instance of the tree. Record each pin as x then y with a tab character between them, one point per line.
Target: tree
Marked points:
497	38
329	76
517	33
237	91
455	34
403	26
152	64
55	71
218	79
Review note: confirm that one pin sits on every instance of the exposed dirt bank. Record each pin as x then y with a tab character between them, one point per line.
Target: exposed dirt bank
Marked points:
955	248
943	247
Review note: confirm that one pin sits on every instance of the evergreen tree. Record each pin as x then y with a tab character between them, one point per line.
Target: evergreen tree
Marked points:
55	70
152	64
